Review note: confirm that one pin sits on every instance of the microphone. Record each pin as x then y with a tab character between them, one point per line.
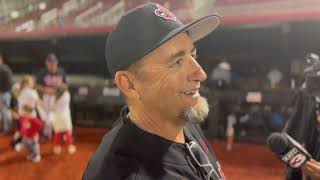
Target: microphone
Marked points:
288	150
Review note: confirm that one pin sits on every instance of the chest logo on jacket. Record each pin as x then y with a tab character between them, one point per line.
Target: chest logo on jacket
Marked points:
52	80
204	145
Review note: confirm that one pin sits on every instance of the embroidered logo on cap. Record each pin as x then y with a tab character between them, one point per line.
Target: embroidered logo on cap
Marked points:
164	13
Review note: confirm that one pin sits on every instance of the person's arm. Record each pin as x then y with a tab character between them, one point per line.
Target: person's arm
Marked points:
6	78
45	89
40	84
40	88
312	169
64	76
36	124
39	102
10	77
64	99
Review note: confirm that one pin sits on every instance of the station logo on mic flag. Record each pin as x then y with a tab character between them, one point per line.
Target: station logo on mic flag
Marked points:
297	160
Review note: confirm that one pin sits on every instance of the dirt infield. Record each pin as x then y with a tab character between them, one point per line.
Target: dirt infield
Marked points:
248	162
245	162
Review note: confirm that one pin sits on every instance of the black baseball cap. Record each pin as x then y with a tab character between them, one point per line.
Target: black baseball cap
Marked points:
146	28
52	58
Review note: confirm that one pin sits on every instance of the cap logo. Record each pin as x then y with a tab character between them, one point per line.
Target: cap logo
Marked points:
164	13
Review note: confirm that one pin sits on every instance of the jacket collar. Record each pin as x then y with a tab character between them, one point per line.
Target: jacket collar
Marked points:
147	146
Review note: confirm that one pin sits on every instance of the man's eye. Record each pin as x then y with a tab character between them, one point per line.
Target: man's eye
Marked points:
179	61
176	63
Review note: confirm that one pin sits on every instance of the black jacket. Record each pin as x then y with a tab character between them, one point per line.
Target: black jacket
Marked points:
45	78
304	127
129	153
6	78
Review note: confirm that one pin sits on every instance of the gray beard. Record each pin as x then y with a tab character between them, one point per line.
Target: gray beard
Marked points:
198	112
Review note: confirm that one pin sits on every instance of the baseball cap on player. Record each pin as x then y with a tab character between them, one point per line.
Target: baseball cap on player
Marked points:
146	28
52	58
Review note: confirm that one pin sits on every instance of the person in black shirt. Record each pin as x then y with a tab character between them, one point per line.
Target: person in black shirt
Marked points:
154	62
303	125
47	80
50	77
6	81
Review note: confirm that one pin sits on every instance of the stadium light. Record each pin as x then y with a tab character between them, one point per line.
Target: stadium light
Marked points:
42	6
14	14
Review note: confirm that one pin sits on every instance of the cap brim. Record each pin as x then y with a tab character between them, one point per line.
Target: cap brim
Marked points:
202	27
197	29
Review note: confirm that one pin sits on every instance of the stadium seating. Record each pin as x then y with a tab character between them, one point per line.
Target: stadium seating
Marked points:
242	2
83	13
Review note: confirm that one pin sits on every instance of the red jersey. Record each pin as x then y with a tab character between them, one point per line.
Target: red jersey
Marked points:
30	126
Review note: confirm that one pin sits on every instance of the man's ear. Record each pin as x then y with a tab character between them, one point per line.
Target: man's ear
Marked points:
126	83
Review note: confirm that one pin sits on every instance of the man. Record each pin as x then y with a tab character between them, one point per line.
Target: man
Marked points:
153	59
47	80
6	80
304	122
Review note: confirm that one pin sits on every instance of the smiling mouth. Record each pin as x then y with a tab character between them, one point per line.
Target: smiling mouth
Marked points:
192	93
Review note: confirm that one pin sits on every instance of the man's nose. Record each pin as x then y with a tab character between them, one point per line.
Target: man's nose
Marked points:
197	73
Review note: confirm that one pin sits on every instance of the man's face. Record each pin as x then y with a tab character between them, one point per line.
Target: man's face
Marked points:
170	81
31	83
52	66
